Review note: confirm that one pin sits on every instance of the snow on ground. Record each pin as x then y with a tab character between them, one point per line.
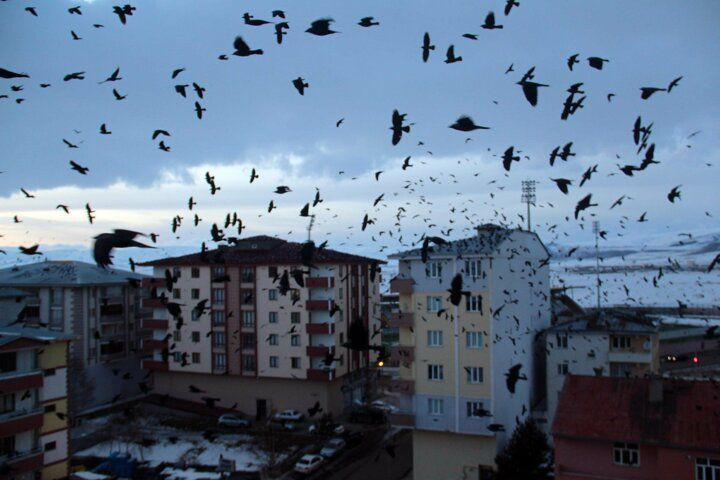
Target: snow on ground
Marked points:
188	474
693	321
191	448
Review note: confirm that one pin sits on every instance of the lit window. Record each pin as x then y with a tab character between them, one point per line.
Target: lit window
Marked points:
435	338
473	339
626	454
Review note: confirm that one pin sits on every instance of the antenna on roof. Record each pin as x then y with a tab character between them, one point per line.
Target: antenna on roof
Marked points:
596	231
528	196
310	226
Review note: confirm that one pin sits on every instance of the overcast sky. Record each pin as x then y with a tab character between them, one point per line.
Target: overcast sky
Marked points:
256	118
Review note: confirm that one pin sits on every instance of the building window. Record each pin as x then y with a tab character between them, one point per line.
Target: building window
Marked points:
474	409
56	296
50	446
194	315
7	446
474	374
7	403
247	296
176	272
177	357
272	317
295	362
49	372
626	454
195	357
195	293
472	268
295	340
294	317
473	339
8	362
273	361
474	303
272	272
176	293
561	340
273	339
620	369
218	295
435	372
50	408
434	338
620	342
219	339
195	272
218	272
177	337
707	469
433	269
272	294
436	406
248	319
247	274
249	362
295	295
434	304
220	360
218	317
56	316
562	368
248	340
195	337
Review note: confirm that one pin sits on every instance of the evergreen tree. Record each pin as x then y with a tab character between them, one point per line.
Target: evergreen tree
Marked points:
527	455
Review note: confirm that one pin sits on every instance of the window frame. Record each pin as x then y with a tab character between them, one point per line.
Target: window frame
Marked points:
476	334
471	406
434	338
474	375
436	407
433	269
433	304
435	372
621	449
474	304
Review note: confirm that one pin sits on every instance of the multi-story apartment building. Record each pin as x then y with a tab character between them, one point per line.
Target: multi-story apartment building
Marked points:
454	360
253	347
605	343
33	404
100	308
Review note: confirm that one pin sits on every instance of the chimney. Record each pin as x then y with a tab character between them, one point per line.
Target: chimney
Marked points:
656	391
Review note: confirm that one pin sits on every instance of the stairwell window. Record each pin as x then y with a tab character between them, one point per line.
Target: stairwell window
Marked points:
272	294
436	406
218	295
433	269
473	339
626	454
435	338
435	372
473	303
434	304
472	268
707	469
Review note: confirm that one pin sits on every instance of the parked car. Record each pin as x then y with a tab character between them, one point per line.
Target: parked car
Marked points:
288	426
309	463
289	415
333	447
367	415
339	429
353	438
231	420
384	406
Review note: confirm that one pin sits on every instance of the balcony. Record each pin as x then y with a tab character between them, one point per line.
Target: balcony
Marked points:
155	365
32	301
400	419
321	375
151	344
402	319
152	303
319	305
117	300
22	462
397	385
320	328
401	285
320	282
15	381
319	351
402	353
21	422
154	324
628	356
153	282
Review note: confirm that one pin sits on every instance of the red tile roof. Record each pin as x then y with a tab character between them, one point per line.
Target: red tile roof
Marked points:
260	250
619	409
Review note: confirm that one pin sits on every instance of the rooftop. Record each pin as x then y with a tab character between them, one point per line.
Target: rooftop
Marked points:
11	292
606	321
10	334
684	413
487	241
259	250
63	273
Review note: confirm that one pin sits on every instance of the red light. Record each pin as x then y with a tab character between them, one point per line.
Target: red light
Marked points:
695	360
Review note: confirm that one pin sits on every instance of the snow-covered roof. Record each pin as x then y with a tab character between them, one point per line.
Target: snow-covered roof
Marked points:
64	272
10	334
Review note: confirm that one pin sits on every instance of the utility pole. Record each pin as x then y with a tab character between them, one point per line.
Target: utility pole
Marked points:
596	231
528	196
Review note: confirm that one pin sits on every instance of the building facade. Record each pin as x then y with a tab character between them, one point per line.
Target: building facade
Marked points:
252	345
454	361
637	428
100	308
34	435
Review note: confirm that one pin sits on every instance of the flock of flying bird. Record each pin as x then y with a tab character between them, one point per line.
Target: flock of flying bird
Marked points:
400	127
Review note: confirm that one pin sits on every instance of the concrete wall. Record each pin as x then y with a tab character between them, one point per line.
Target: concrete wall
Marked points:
450	456
61	446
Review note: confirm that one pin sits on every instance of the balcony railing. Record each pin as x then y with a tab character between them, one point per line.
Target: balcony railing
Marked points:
402	353
152	303
319	305
397	385
15	381
321	374
154	324
320	282
401	285
320	328
401	319
22	423
16	414
21	462
152	344
319	351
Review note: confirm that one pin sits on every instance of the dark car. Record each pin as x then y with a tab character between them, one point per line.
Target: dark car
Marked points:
367	415
353	439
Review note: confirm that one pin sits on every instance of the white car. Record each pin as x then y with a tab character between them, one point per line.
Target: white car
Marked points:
230	420
289	415
333	447
308	463
384	406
